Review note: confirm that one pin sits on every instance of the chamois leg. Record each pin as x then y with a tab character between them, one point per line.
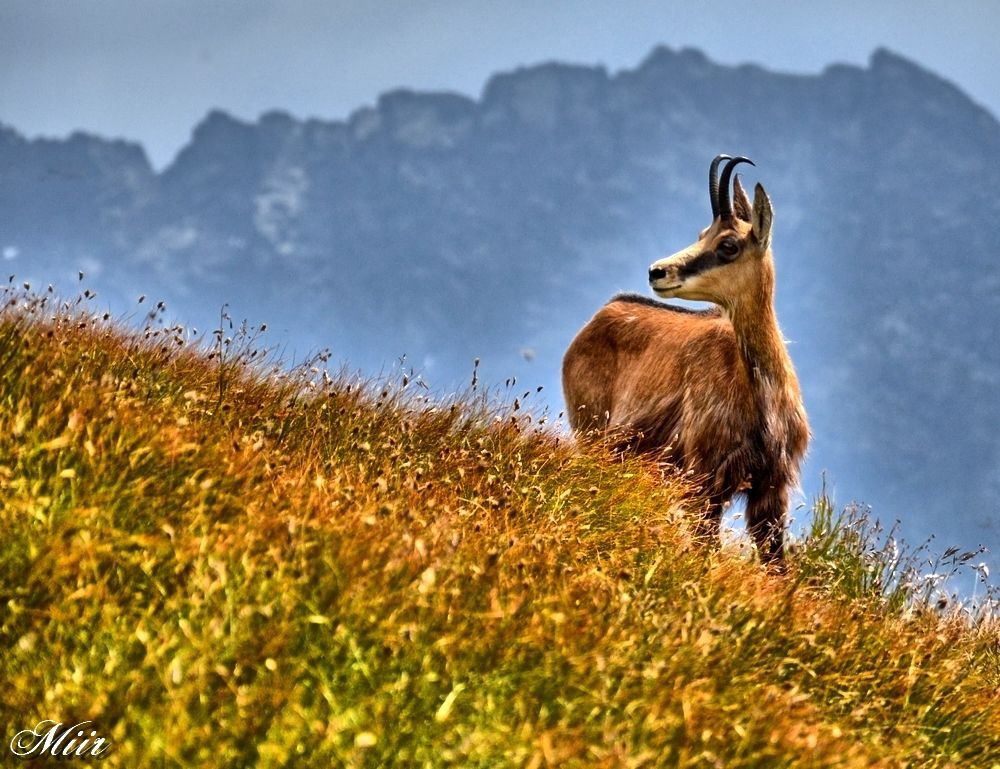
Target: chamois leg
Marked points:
766	521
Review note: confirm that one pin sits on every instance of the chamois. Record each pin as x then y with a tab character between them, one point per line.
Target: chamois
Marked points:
712	392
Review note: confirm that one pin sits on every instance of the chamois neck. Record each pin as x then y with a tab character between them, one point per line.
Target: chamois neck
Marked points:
761	343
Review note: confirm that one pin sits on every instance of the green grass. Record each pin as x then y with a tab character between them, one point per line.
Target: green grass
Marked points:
221	565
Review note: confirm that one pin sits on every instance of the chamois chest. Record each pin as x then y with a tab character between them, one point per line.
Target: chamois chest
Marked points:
727	420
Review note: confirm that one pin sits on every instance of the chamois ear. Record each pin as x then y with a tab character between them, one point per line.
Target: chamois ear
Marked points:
761	217
741	203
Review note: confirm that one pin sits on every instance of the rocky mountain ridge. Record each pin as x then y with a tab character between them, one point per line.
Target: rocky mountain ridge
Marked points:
448	228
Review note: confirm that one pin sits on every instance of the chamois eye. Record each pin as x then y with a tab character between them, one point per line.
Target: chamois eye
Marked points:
728	249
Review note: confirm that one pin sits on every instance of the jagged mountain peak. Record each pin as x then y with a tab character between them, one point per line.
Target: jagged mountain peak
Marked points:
888	63
688	61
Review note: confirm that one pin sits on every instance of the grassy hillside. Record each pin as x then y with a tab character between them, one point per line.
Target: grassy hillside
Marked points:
222	567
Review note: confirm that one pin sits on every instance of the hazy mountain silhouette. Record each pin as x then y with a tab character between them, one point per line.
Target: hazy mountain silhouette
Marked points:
447	228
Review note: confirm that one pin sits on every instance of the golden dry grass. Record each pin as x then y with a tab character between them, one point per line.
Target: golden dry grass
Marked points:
224	566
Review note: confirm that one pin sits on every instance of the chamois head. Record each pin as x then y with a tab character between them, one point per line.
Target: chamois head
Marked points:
731	260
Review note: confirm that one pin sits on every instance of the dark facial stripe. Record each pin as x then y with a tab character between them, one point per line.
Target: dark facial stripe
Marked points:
706	260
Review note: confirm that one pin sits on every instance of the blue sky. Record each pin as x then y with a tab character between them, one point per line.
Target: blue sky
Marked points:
149	71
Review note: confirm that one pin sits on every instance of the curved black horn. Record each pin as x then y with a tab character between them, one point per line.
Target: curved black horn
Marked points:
713	183
725	208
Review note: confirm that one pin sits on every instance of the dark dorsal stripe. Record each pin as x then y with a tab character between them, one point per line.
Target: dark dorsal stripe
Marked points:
650	302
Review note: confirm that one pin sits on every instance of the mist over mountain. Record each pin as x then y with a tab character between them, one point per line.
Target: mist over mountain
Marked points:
447	229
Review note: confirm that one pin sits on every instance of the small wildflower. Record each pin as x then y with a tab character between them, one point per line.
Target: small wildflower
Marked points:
364	740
